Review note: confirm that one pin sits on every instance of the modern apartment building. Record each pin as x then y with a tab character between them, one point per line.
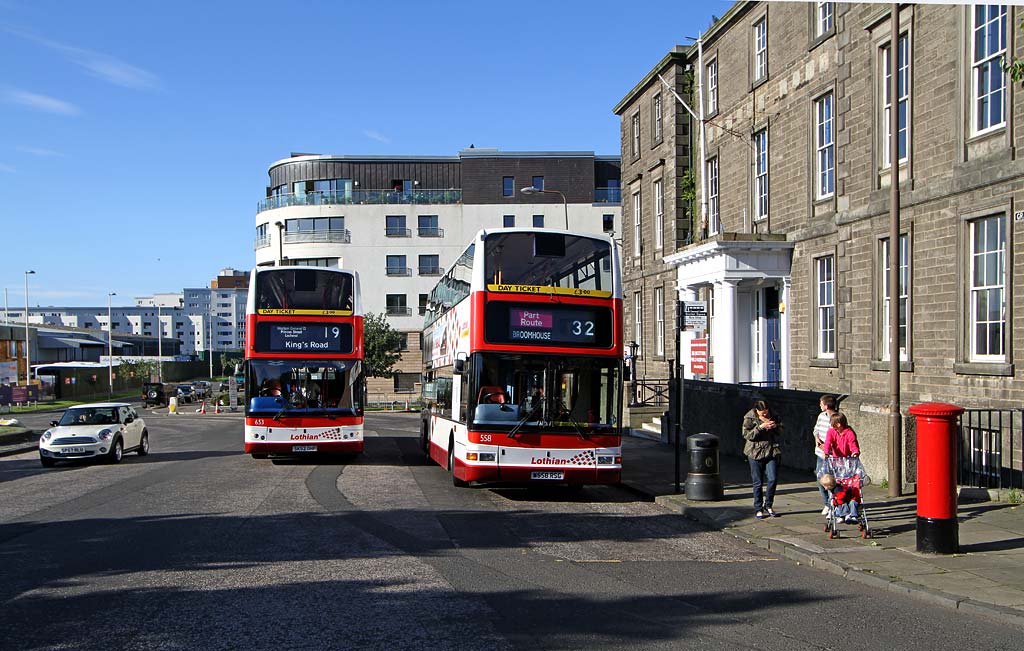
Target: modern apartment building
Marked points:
400	221
796	175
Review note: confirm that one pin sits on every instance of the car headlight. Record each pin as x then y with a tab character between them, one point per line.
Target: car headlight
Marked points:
105	434
46	435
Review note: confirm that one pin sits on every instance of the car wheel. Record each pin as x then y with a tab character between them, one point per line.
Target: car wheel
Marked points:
144	444
116	452
47	462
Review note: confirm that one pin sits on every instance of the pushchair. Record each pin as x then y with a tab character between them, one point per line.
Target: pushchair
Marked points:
846	495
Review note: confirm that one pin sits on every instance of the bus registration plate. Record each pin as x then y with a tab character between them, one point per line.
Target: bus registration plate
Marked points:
303	448
547	474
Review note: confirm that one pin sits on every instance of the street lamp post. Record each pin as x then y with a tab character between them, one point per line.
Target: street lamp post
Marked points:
110	347
532	190
28	349
159	345
280	243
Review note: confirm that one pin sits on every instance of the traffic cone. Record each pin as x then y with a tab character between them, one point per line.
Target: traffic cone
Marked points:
202	409
216	407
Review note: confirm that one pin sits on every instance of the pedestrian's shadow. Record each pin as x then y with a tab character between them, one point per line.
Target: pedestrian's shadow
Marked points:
993	546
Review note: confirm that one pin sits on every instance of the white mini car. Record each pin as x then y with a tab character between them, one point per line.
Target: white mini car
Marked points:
105	429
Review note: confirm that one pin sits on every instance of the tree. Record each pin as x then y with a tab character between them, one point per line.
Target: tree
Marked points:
381	346
1015	66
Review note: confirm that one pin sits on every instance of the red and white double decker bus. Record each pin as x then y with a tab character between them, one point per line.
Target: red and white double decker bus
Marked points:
523	362
304	381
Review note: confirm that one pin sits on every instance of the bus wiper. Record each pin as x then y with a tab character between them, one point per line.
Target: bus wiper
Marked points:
512	433
284	408
579	428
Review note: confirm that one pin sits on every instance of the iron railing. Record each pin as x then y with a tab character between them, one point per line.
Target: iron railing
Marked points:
398	310
430	231
608	195
430	270
649	393
399	271
397	231
360	197
262	242
990	448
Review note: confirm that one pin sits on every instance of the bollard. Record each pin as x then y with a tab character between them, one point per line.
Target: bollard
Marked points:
937	527
172	406
703	483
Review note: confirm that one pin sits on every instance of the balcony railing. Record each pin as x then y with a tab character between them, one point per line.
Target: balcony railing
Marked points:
430	231
336	236
430	271
423	310
399	271
607	195
360	197
395	231
398	310
262	242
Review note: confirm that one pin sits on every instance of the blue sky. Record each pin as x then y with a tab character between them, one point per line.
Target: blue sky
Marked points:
136	135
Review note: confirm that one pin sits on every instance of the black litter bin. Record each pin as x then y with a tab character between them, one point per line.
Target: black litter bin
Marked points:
703	483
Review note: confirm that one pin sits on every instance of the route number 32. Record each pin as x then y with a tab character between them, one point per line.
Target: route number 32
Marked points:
585	328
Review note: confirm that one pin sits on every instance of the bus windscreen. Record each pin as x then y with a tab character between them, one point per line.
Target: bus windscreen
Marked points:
520	261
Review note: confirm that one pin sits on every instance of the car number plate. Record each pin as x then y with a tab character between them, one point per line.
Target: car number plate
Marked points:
73	450
547	474
303	448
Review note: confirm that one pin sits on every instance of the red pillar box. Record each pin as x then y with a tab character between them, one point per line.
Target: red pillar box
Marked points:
937	527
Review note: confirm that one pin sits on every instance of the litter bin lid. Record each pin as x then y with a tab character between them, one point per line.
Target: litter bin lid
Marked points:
702	440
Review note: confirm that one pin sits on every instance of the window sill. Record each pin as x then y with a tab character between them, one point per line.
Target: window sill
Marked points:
821	38
823	363
995	369
883	365
757	83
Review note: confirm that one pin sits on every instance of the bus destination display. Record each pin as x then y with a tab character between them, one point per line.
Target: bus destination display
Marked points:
304	337
552	325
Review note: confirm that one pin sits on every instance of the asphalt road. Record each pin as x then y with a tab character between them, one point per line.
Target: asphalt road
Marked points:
197	546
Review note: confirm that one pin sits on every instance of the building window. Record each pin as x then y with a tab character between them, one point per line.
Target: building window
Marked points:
713	225
824	142
637	247
635	148
656	119
904	296
508	221
608	223
395	305
825	325
423	303
538	221
430	265
659	215
313	262
761	174
712	77
761	49
659	321
903	92
638	321
396	266
394	226
538	183
508	186
989	81
988	289
428	226
406	382
823	18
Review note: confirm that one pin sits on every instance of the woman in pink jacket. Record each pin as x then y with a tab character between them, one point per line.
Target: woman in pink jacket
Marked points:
841	440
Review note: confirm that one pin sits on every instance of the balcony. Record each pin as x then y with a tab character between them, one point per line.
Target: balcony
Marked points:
335	236
607	195
360	197
399	271
430	231
262	242
398	310
431	271
395	231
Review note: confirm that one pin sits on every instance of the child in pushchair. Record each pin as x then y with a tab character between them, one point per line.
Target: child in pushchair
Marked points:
844	478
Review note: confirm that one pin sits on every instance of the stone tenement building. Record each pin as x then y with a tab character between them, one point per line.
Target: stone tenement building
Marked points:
794	256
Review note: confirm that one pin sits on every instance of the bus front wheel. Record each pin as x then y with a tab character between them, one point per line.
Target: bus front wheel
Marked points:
456	482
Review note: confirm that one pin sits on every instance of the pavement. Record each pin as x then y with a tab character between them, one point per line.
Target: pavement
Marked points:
986	577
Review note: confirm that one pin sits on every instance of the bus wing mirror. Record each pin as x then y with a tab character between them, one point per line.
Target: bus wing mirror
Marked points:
460	366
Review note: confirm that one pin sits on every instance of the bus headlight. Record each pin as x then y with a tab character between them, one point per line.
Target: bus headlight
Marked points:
487	456
605	461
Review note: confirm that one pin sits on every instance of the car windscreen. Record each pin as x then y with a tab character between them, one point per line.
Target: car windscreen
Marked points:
89	416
